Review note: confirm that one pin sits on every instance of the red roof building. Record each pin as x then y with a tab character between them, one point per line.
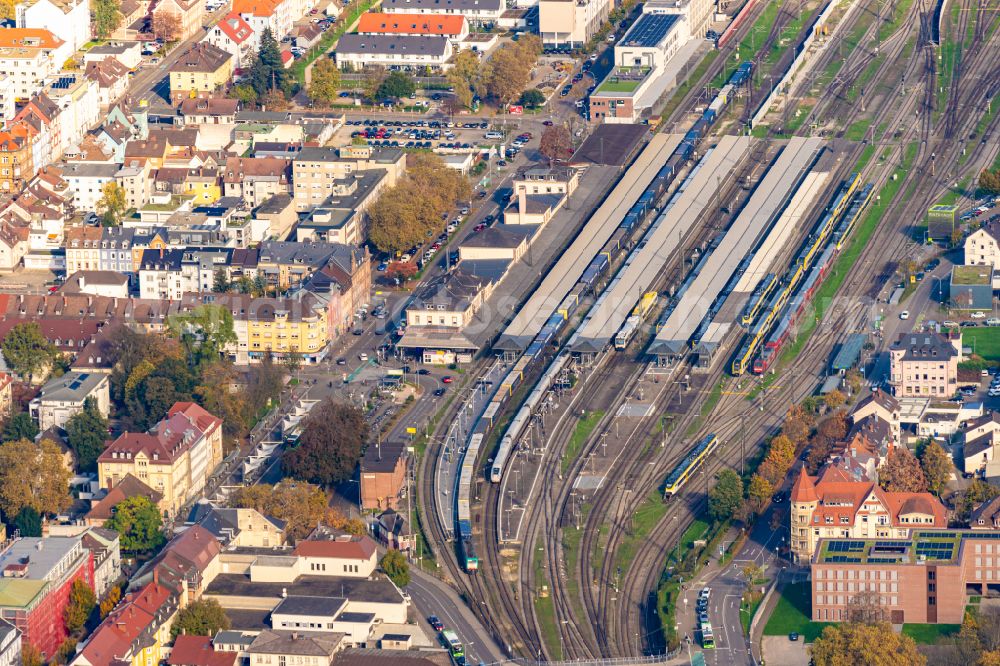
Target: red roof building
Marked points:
343	555
828	506
453	26
135	631
198	651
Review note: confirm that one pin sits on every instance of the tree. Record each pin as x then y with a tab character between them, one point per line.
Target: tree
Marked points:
452	105
245	93
397	85
30	655
82	602
204	617
267	72
902	473
798	424
112	204
989	181
292	361
396	567
401	270
204	331
139	524
937	466
506	74
753	574
833	427
865	608
264	383
851	643
371	80
333	436
302	506
220	283
28	522
464	78
7	9
111	600
215	395
555	143
759	493
33	475
167	25
532	98
106	17
855	381
325	82
782	450
20	426
66	651
26	351
979	491
86	432
834	399
726	496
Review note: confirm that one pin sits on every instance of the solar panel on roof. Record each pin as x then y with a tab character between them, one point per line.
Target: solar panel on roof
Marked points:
649	30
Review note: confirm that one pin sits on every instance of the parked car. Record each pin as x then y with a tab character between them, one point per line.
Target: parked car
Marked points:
905	314
978	315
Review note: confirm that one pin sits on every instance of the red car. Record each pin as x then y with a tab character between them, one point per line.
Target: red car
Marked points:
447	379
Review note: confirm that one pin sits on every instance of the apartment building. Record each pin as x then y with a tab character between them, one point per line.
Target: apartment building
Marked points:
78	99
16	165
68	20
274	15
28	56
87	180
175	458
63	397
407	52
982	246
256	179
454	27
316	171
925	364
204	69
928	577
832	506
571	23
477	12
235	36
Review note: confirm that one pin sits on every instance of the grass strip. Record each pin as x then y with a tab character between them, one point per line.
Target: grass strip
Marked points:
584	427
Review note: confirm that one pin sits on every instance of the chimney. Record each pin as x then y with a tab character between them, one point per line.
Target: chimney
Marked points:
156	576
522	202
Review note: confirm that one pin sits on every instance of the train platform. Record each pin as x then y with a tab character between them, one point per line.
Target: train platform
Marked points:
767	201
532	314
650	257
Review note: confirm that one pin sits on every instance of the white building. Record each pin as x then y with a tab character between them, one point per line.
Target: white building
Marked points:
69	20
569	23
64	396
86	180
479	12
235	36
982	247
79	102
394	51
28	56
7	97
10	644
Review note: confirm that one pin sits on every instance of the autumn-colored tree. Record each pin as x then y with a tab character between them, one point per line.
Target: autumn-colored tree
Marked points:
849	644
215	395
333	437
464	76
30	655
112	204
855	381
372	78
81	602
507	73
833	427
324	82
798	424
782	451
759	493
33	475
771	470
167	25
979	491
7	10
989	181
555	143
110	600
301	505
902	473
938	467
753	574
401	270
834	399
337	520
865	608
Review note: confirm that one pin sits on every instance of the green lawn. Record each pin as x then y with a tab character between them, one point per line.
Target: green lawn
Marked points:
984	341
619	86
929	634
545	608
580	435
793	613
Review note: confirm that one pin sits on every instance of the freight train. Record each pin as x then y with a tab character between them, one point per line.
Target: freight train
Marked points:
619	244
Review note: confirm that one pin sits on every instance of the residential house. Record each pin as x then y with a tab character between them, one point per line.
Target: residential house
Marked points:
67	20
407	52
103	509
16	166
209	111
829	506
187	564
235	36
127	53
189	13
6	395
13	245
238	528
62	397
135	179
390	528
105	548
278	211
87	180
256	179
925	364
274	15
134	20
986	516
135	632
111	77
274	647
175	457
455	26
570	24
191	650
341	555
307	36
83	249
884	406
38	573
78	98
478	12
201	71
982	246
316	171
41	114
10	644
97	283
981	446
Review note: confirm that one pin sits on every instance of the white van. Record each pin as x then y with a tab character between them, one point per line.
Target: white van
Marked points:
993	321
494	135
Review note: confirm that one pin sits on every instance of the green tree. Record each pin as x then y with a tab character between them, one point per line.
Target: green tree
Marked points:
371	80
396	567
532	98
86	432
204	331
112	204
106	17
204	617
396	86
245	93
292	361
333	436
855	643
937	466
25	349
753	574
902	473
82	602
139	524
28	522
20	426
725	498
220	283
325	82
267	72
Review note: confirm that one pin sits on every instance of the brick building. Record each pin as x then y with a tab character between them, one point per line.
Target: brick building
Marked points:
383	475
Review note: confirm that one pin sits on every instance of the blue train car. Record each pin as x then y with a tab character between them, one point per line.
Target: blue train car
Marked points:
685	150
709	116
742	74
533	350
464	529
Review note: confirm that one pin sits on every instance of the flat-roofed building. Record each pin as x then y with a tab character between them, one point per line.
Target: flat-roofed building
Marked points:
571	23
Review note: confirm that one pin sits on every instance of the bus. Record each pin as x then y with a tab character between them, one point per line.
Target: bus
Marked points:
450	640
707	637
